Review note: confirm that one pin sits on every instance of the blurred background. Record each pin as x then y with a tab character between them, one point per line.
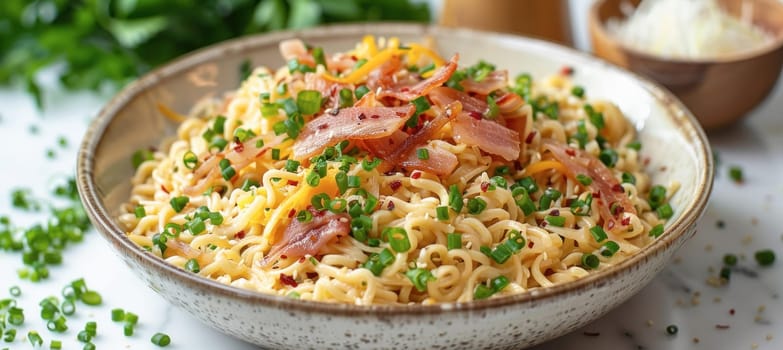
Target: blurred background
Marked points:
103	44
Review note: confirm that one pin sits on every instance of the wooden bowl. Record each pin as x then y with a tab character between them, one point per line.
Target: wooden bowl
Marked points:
718	91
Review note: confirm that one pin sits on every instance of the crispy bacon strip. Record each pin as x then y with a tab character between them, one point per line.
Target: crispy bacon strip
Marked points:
408	93
493	81
509	102
301	239
489	136
604	182
352	123
442	96
240	156
295	48
440	162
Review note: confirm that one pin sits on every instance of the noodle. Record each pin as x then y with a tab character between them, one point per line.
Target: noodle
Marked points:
423	190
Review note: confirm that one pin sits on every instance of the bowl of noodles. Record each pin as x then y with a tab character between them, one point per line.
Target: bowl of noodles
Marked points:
394	186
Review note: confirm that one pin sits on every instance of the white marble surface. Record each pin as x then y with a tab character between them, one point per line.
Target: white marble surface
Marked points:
679	296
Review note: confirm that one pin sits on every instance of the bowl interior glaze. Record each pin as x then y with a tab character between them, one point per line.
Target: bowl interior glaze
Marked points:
674	143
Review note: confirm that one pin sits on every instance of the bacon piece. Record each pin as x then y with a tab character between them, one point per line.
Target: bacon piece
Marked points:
383	76
604	181
352	123
408	93
488	135
175	247
440	162
301	239
509	102
240	157
295	48
442	96
493	81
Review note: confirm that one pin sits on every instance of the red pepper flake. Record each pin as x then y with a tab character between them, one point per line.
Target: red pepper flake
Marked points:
362	116
288	280
405	89
396	184
618	188
400	114
164	189
567	70
291	213
475	115
530	244
646	161
293	182
283	256
415	175
239	147
375	116
616	208
626	221
597	195
722	326
312	275
568	201
555	212
484	186
571	152
530	136
390	206
323	126
240	234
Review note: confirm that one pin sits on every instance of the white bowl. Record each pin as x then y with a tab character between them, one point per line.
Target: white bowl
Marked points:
671	137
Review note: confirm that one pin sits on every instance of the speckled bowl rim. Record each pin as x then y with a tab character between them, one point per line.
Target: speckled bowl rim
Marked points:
105	224
595	20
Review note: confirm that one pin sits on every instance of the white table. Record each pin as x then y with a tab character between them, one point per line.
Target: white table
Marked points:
678	296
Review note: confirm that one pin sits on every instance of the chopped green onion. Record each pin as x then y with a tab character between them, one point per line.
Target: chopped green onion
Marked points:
91	297
88	346
228	172
442	213
84	336
369	204
248	184
582	207
664	211
419	277
190	160
243	135
359	63
455	198
360	227
294	66
15	291
55	345
304	216
140	157
275	154
308	101
192	266
342	181
515	241
91	327
498	181
259	143
282	89
547	198
117	315
128	329
369	166
427	68
765	257
354	181
10	335
656	231
313	179
476	205
361	91
337	205
730	260
482	292
179	203
291	165
578	91
320	201
522	199
609	248
346	98
453	241
596	118
421	104
590	261
657	196
499	283
34	338
735	173
598	233
609	157
218	143
131	318
161	339
584	179
68	308
398	239
501	253
558	221
502	170
270	110
423	153
628	178
725	273
492	108
636	145
318	56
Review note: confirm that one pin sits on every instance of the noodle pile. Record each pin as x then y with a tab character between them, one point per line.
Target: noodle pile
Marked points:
389	175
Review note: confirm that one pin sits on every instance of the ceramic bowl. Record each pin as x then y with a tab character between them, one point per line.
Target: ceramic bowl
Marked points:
718	91
674	143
